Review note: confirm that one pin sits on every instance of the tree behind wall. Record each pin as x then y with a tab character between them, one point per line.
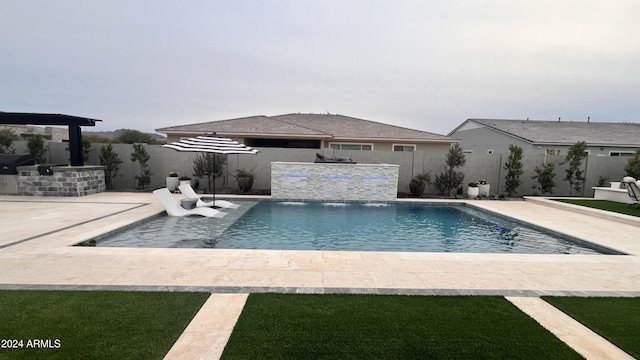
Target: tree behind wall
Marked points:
574	173
37	149
450	178
7	137
633	165
203	165
544	175
111	162
130	136
141	156
86	148
513	166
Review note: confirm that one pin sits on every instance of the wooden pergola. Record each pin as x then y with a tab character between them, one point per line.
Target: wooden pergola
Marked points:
73	122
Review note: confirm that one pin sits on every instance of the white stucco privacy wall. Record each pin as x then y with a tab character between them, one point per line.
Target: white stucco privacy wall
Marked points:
334	181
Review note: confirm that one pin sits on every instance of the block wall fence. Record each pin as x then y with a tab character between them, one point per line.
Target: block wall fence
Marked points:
478	166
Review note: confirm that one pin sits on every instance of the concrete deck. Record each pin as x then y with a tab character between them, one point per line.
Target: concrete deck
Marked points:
35	253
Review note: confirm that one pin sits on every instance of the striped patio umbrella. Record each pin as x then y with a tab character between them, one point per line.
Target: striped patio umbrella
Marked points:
211	144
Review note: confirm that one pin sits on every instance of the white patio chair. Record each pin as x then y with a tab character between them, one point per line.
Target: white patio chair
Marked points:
188	192
173	207
633	188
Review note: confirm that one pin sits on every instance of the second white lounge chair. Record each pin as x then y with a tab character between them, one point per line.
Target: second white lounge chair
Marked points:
188	192
633	188
173	208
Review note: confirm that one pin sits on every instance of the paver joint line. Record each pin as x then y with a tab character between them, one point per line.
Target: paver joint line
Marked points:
69	227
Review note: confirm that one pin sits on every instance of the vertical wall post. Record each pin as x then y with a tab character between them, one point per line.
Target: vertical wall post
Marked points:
75	145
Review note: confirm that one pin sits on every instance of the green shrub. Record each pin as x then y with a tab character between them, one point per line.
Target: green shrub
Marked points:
111	162
37	149
574	173
513	166
544	176
7	137
141	156
450	178
633	165
419	183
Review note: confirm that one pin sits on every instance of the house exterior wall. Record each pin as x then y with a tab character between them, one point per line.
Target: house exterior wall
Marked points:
481	139
388	145
377	145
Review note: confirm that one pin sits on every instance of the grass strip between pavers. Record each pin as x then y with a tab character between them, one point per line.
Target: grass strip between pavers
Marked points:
288	326
615	319
93	324
606	205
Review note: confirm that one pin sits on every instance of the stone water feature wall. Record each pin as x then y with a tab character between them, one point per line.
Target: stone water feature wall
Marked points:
64	181
334	181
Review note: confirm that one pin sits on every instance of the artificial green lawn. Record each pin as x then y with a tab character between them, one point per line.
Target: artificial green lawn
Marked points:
615	319
95	324
605	205
286	326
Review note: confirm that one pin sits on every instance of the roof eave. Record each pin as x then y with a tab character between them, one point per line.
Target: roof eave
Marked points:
401	140
287	136
459	126
550	143
244	134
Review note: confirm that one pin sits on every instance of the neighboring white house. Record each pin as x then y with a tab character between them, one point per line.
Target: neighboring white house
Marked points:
493	136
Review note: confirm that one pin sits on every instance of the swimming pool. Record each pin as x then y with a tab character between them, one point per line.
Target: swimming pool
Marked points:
350	227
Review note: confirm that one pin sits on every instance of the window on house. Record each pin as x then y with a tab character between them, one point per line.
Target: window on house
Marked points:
404	148
340	146
620	153
554	151
467	151
490	151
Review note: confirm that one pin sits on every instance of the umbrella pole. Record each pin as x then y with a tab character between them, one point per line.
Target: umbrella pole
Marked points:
214	180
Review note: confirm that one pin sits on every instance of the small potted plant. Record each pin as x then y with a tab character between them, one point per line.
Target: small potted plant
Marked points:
473	190
185	180
483	187
245	180
172	181
419	183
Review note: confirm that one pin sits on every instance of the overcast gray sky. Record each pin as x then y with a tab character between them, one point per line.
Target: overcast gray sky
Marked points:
427	65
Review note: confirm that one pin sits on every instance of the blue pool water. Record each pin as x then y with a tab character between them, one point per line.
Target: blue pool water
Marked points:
350	227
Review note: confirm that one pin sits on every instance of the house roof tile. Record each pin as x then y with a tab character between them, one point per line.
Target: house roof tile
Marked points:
567	132
320	125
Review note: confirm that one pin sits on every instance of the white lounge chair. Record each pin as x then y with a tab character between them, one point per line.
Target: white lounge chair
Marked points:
173	208
188	192
633	188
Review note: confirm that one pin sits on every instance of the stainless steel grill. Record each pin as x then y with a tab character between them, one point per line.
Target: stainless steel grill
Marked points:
10	162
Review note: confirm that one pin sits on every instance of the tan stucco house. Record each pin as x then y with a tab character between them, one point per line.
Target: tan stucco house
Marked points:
315	131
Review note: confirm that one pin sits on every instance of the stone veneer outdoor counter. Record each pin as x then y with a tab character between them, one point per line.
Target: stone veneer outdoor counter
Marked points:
65	181
334	181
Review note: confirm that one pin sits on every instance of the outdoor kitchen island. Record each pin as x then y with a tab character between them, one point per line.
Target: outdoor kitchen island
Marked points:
51	180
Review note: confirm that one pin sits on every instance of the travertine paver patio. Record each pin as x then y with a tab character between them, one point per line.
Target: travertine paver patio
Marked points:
35	252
